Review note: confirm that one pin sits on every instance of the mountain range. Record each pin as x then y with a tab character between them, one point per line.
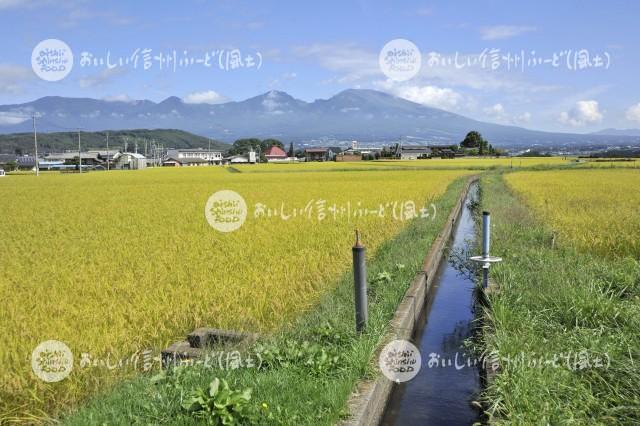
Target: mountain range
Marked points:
618	132
136	140
359	114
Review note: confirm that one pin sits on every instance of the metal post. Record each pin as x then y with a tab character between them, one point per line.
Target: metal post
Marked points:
360	284
486	259
107	151
79	154
35	141
486	231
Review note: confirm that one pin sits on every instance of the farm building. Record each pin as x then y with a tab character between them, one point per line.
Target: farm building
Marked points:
250	157
276	154
26	162
407	152
129	161
209	157
349	156
172	161
236	159
104	155
321	154
70	158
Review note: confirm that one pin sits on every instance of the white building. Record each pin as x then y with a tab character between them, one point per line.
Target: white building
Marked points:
129	161
210	157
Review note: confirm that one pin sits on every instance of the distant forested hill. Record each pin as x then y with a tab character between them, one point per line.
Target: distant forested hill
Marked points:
22	143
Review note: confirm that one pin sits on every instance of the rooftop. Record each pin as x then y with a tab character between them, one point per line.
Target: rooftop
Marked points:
275	151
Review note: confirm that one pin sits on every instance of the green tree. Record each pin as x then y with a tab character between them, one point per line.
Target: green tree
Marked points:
10	166
243	146
482	149
472	140
290	153
265	144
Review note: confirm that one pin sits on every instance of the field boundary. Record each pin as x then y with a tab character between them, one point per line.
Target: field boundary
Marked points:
369	399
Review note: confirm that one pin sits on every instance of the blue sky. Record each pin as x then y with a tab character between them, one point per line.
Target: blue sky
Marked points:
315	49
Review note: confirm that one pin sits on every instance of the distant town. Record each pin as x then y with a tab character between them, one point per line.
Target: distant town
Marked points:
134	156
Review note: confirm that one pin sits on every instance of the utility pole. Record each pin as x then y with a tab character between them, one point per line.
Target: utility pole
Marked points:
35	141
107	151
79	154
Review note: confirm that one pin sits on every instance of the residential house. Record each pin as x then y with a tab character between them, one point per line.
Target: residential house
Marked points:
184	162
89	159
322	154
275	154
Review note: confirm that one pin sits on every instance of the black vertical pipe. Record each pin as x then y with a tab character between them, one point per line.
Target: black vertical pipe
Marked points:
360	284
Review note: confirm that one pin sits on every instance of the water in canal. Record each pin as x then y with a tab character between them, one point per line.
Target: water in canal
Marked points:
442	395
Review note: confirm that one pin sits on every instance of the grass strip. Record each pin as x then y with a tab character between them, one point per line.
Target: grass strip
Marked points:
564	326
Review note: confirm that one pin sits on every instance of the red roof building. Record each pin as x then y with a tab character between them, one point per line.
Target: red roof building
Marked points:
275	153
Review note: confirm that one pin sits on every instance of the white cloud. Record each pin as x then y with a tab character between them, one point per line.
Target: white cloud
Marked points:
287	76
633	112
355	65
583	113
425	11
439	97
523	118
93	114
78	13
272	104
8	118
496	110
499	113
353	62
12	78
205	97
9	4
499	32
119	98
101	78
